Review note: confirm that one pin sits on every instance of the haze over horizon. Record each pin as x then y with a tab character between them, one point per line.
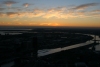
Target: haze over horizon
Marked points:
50	13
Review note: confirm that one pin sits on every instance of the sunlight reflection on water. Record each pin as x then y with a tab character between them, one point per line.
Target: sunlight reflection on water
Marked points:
50	51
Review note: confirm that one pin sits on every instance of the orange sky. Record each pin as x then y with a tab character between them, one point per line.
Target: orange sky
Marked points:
59	13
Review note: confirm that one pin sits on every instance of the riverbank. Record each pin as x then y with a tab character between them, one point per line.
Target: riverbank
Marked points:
21	45
73	56
46	40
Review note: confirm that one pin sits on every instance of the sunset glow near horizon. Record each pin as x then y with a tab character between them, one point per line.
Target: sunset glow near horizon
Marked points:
80	13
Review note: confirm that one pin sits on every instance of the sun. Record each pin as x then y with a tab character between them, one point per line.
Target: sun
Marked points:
55	24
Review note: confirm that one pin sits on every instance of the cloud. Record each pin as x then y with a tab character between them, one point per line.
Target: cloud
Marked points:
37	12
2	14
84	6
12	14
58	9
16	9
2	9
26	4
55	12
17	14
9	3
58	12
21	14
1	5
95	11
50	24
94	15
16	20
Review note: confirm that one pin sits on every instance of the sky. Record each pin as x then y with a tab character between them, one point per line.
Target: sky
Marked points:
77	13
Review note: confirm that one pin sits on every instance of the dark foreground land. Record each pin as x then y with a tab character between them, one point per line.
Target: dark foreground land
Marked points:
19	47
72	58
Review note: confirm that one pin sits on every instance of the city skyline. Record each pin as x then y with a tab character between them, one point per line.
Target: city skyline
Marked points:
50	13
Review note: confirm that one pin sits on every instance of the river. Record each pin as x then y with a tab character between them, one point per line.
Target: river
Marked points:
51	51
